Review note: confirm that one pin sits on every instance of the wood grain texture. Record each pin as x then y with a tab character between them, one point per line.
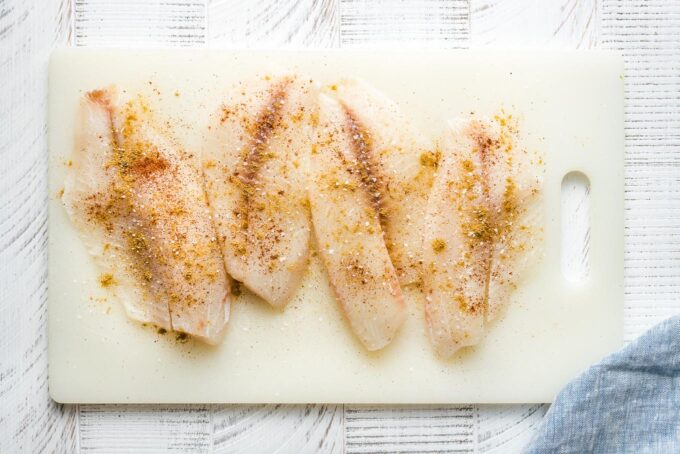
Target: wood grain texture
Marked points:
647	33
29	420
211	428
440	429
140	23
533	23
575	228
422	429
505	429
273	23
278	429
145	428
404	23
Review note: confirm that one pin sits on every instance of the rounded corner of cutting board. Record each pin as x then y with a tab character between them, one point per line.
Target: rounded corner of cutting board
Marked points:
57	393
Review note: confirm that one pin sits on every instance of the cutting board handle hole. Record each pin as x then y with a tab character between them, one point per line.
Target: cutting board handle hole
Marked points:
575	228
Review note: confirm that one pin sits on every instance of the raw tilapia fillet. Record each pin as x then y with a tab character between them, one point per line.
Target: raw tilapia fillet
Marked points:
138	203
406	161
481	230
254	163
347	215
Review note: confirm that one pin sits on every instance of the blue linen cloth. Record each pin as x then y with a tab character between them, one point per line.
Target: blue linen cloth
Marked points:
628	403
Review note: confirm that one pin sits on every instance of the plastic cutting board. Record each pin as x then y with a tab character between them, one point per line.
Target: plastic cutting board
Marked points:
570	107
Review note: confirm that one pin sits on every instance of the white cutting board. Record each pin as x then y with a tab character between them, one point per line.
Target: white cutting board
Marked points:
571	108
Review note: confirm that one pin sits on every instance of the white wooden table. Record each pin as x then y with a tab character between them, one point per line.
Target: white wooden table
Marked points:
646	32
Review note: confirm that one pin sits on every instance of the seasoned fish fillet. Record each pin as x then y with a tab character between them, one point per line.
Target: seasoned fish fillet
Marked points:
406	159
140	208
347	213
254	165
479	229
514	190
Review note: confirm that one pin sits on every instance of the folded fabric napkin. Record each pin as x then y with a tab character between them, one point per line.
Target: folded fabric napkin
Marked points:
628	403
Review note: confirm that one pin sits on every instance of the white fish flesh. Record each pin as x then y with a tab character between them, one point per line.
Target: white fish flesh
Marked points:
479	230
254	165
406	160
137	201
347	213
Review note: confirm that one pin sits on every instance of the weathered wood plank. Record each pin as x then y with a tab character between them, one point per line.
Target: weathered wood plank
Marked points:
145	428
432	429
533	23
273	23
575	228
29	420
441	429
140	23
278	429
647	33
505	429
409	23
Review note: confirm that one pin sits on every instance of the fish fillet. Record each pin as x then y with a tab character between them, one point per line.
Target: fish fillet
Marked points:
140	208
479	230
254	165
347	213
407	161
